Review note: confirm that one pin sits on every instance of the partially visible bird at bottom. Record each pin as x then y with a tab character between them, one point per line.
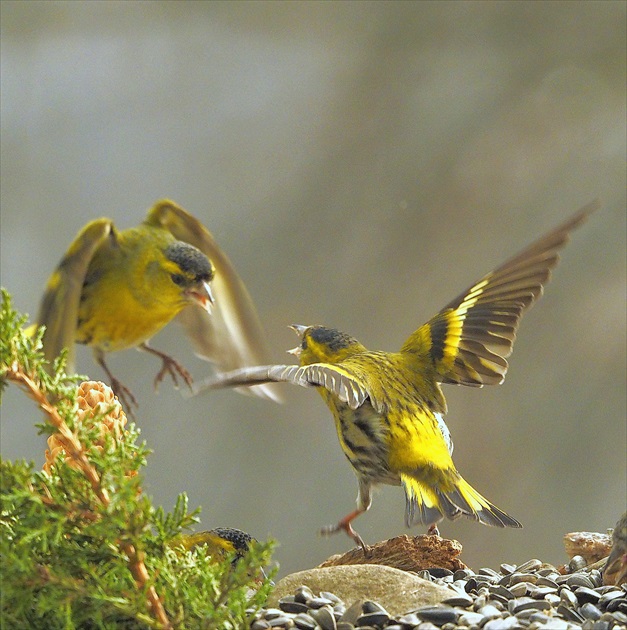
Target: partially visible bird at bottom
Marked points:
388	407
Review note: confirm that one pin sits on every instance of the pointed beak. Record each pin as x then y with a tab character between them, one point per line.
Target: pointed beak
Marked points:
300	331
203	296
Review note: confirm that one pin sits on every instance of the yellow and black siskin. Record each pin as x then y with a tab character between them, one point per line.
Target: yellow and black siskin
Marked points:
388	406
220	542
114	290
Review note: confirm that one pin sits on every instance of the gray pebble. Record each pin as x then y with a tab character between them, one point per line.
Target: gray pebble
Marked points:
373	619
353	612
293	607
260	624
303	594
372	607
617	605
520	589
271	613
502	591
596	577
585	594
533	604
568	598
610	595
517	577
461	599
469	618
489	572
325	617
546	581
304	622
489	611
410	619
331	597
540	592
530	565
590	611
283	621
579	579
619	616
576	563
438	614
319	602
569	614
508	623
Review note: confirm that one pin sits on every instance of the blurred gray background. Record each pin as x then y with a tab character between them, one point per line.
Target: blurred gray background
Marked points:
361	163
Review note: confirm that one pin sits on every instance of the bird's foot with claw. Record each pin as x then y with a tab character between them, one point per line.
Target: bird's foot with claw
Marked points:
174	369
433	530
345	526
169	366
125	396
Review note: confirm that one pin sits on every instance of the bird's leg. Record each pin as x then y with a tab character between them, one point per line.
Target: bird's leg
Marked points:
364	501
345	525
170	366
123	393
433	530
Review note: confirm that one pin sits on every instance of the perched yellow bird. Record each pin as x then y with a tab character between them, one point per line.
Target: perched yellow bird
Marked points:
114	290
388	406
220	542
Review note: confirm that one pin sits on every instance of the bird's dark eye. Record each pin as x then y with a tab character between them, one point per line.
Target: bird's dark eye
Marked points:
303	344
177	278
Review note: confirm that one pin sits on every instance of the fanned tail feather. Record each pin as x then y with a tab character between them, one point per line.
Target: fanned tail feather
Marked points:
428	505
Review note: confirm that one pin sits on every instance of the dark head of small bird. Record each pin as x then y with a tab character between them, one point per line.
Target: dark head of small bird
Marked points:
193	272
324	345
239	539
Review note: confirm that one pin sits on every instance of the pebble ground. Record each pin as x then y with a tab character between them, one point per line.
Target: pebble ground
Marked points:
531	596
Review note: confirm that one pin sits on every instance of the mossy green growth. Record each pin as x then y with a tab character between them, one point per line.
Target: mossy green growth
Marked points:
81	546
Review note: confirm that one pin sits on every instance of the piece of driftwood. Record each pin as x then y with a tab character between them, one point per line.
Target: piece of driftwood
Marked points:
408	553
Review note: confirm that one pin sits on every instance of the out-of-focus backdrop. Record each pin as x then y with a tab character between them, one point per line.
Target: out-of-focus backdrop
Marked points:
361	163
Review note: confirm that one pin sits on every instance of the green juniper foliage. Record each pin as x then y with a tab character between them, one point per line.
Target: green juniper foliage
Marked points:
80	545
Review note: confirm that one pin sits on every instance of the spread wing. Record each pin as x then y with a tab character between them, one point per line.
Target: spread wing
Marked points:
468	341
338	380
59	306
232	336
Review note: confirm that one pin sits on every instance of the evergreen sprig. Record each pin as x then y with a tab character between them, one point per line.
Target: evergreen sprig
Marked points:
81	546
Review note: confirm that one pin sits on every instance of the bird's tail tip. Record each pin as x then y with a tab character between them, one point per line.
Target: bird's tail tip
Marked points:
428	505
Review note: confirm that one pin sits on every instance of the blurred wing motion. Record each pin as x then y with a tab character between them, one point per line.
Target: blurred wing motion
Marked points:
336	379
59	307
468	341
232	336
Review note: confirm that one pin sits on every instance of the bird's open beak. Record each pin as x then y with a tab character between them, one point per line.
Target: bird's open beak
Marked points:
203	296
300	330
